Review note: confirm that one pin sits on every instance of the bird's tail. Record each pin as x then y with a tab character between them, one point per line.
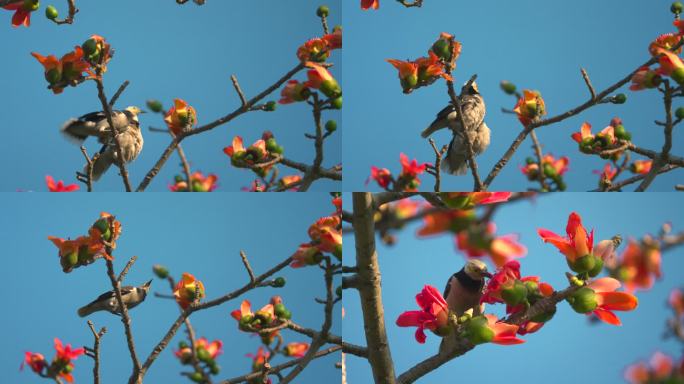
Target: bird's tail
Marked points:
434	127
454	163
77	131
87	310
102	164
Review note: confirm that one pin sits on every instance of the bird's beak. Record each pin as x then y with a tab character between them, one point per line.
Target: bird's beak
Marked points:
142	111
147	285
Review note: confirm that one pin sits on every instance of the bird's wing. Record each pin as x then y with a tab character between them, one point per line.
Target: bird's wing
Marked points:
110	294
93	116
448	287
441	121
444	113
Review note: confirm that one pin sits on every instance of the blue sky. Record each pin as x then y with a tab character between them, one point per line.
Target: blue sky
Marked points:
537	45
166	51
202	236
603	349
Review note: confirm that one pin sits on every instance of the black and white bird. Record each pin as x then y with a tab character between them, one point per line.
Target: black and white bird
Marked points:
473	107
131	296
463	292
95	124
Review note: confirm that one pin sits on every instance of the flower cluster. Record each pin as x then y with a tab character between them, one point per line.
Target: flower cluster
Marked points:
318	49
258	156
606	175
407	180
392	216
95	53
319	78
270	315
85	250
426	70
607	139
258	361
666	48
198	183
61	365
552	169
660	369
472	238
518	293
205	352
530	107
188	290
326	237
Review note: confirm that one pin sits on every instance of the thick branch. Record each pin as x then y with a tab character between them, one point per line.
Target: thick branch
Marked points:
370	290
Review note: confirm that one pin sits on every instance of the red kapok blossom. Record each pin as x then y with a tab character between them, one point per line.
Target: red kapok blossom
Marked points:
188	290
645	78
641	167
434	314
478	243
22	14
607	300
370	4
658	369
530	107
408	73
640	265
578	242
180	117
381	175
296	349
59	186
35	361
306	254
294	91
671	65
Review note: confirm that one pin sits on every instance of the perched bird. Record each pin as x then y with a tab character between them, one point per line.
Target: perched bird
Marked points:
132	296
473	107
95	124
463	292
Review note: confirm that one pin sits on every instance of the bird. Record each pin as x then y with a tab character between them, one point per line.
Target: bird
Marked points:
463	292
473	107
95	124
107	301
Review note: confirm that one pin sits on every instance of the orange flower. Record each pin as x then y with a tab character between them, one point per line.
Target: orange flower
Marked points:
530	107
321	79
468	200
188	290
382	176
296	349
59	186
488	329
325	233
318	49
63	359
671	65
181	117
368	4
259	360
285	181
607	175
640	265
641	167
66	71
666	41
408	73
96	51
429	69
35	361
306	254
478	243
454	220
645	78
334	39
607	300
245	317
294	91
558	166
236	148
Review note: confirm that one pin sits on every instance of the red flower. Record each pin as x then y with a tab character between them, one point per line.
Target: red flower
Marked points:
181	117
502	279
296	349
645	78
578	243
501	249
306	254
59	187
640	265
608	300
198	183
408	73
641	167
22	14
411	168
531	106
34	360
294	91
658	370
188	290
434	314
454	220
381	175
321	79
504	334
665	41
367	4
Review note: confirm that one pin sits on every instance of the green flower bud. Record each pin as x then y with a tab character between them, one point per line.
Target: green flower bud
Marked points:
549	170
532	287
161	271
620	132
103	226
331	126
677	7
31	5
583	264
68	368
279	282
287	314
336	103
183	344
270	106
279	309
197	377
90	47
515	294
214	369
279	149
561	185
203	355
337	252
530	160
51	12
71	259
271	145
620	98
441	49
478	331
598	267
680	113
331	89
508	87
323	11
409	82
155	105
456	202
583	300
678	75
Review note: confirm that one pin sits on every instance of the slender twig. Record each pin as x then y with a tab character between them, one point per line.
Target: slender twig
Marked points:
236	85
370	290
312	173
662	158
538	152
118	93
127	268
587	81
237	112
88	180
243	256
96	351
70	17
637	178
438	163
